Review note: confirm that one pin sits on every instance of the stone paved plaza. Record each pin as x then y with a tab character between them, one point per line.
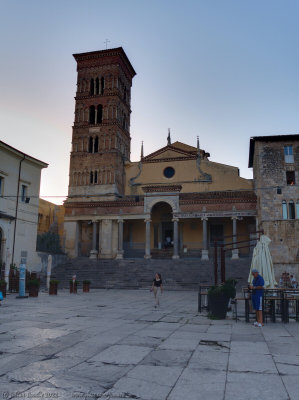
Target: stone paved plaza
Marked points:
113	344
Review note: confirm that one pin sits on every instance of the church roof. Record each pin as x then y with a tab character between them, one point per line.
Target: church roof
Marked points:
174	151
183	146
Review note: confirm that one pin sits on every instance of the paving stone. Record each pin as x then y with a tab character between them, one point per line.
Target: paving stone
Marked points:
104	375
243	347
179	344
167	358
248	386
252	363
199	385
159	375
122	354
283	349
140	389
287	365
209	360
291	386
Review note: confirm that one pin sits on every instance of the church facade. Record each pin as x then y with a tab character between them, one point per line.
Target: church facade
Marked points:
174	202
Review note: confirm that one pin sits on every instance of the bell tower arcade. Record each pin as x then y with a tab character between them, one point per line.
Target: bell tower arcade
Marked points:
101	130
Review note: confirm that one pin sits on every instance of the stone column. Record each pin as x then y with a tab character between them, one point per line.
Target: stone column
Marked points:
147	238
93	252
235	252
205	251
175	238
72	238
95	115
106	239
181	238
120	250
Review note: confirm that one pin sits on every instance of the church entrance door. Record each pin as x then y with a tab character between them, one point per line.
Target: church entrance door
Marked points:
161	217
167	234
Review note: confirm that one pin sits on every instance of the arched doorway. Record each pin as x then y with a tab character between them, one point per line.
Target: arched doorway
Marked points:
161	216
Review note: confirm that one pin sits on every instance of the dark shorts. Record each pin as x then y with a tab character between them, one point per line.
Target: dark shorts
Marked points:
257	302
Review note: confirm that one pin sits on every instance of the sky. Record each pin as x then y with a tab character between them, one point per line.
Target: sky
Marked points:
223	70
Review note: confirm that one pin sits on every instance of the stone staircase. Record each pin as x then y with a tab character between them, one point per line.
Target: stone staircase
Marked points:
182	274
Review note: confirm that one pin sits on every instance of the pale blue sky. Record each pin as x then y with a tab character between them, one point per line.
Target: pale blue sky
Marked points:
221	69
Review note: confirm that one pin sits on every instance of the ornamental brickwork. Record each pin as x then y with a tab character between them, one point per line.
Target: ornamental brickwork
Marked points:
101	130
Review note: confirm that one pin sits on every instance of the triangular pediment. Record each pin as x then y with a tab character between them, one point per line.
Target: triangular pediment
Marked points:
176	150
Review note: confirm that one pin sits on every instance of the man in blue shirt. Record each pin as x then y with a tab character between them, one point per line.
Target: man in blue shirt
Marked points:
257	288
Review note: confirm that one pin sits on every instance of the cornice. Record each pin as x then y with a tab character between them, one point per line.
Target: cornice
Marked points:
167	159
105	204
161	188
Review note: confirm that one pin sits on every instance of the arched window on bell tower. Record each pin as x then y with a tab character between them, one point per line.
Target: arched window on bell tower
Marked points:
96	144
99	114
91	91
102	85
90	145
91	177
97	86
92	114
95	176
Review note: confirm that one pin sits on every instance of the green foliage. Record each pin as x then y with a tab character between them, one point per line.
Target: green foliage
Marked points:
227	289
76	282
2	282
231	282
49	242
33	282
54	282
86	282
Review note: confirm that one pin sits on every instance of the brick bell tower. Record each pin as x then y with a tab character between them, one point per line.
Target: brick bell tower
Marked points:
101	131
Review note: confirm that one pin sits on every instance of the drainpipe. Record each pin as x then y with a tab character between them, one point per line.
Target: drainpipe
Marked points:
16	213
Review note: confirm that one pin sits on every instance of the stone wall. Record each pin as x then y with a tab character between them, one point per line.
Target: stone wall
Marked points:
269	172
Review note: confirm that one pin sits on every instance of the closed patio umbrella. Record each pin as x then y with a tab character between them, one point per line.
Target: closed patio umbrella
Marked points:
262	261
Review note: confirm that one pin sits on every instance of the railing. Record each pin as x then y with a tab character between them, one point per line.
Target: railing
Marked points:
277	303
230	246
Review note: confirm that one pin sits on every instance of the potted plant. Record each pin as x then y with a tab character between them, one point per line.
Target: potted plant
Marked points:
86	285
218	298
53	286
3	287
73	286
33	285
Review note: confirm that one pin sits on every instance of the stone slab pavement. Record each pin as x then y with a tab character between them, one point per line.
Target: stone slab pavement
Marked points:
113	344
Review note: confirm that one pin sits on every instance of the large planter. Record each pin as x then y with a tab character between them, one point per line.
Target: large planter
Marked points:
53	288
33	287
86	286
3	288
218	306
33	291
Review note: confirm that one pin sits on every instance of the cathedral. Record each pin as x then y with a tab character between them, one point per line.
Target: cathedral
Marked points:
172	203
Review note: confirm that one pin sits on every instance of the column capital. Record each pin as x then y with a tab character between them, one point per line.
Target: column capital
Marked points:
204	218
175	219
147	220
120	220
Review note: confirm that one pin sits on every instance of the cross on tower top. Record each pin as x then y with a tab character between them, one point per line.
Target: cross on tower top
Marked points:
106	43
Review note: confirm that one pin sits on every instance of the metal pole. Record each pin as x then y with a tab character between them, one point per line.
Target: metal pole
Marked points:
16	214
